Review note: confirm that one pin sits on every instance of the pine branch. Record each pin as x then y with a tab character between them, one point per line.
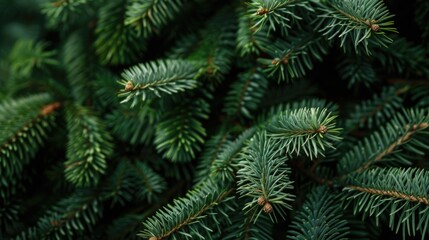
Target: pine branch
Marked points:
213	46
242	228
276	14
377	110
195	123
116	43
292	59
128	225
69	218
249	41
88	147
213	147
120	186
355	22
274	111
402	132
24	124
149	16
106	87
226	165
77	62
157	78
359	229
27	56
403	193
404	58
245	94
263	178
357	70
185	217
65	12
148	183
319	218
180	133
135	126
307	131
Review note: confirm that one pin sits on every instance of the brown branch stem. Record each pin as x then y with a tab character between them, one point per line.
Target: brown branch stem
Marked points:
391	193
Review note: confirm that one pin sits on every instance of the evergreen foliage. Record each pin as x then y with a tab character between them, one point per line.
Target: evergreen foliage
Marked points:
403	193
149	16
320	217
355	22
65	12
406	57
27	55
114	38
24	125
213	149
226	164
304	131
157	78
180	133
247	229
88	146
199	207
76	64
289	59
264	178
403	131
378	109
356	70
245	94
239	119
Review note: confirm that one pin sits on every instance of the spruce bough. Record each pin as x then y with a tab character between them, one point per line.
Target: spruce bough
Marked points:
240	119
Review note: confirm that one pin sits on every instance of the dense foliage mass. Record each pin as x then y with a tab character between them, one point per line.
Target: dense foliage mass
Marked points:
240	119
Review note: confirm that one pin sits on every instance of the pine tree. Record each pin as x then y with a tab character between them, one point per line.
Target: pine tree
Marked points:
240	119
